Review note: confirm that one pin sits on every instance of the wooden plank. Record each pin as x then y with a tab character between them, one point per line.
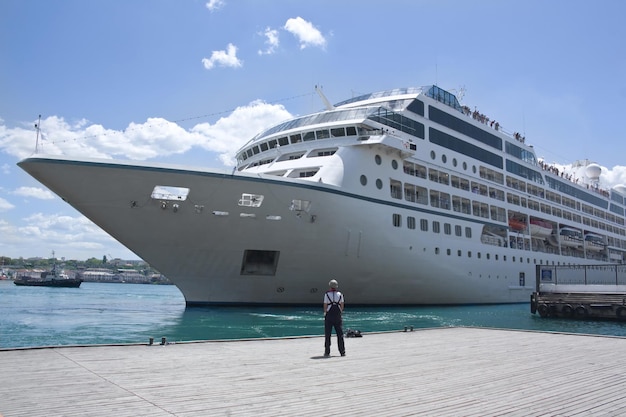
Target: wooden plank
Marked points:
452	371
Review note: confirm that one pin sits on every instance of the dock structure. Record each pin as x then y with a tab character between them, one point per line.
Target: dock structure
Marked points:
580	291
435	372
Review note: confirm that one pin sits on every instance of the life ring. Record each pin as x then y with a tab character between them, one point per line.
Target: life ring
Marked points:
581	312
620	312
567	310
533	303
544	310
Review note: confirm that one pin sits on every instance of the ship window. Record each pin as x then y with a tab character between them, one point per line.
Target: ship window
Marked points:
396	189
397	220
444	159
394	164
436	251
432	155
424	225
454	162
295	138
272	143
363	180
410	222
378	159
447	228
283	141
436	227
166	192
448	251
251	200
351	131
414	169
309	136
259	262
469	253
249	153
322	152
255	150
379	184
303	174
300	205
264	146
322	134
459	253
457	230
468	232
338	132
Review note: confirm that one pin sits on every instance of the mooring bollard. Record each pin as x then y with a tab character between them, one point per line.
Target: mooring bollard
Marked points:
151	341
163	340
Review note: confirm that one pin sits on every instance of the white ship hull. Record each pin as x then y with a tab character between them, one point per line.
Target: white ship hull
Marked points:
202	252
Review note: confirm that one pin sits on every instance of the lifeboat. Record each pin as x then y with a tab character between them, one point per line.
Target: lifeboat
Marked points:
516	225
568	236
594	242
540	228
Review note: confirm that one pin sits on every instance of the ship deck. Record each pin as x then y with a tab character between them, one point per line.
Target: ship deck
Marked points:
443	371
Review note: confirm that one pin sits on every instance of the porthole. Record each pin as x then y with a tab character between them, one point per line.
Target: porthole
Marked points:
363	180
464	166
444	159
379	184
454	162
394	164
378	159
432	155
474	169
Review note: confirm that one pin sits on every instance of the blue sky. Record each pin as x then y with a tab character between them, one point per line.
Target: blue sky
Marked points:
191	81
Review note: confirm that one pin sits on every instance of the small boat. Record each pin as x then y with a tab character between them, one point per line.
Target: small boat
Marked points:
540	228
594	242
571	237
516	225
56	277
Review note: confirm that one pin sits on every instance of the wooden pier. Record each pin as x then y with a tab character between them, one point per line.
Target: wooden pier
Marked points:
580	292
434	372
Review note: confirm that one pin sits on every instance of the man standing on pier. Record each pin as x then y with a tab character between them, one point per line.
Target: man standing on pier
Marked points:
333	308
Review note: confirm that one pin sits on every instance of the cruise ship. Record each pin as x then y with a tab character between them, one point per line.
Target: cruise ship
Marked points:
404	196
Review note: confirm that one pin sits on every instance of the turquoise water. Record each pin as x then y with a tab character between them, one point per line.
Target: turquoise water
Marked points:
99	313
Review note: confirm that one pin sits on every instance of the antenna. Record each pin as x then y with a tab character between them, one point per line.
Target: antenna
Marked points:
37	127
329	106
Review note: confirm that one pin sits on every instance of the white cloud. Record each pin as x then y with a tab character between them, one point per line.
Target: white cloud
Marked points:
157	137
226	58
34	192
6	169
272	41
305	32
214	5
5	205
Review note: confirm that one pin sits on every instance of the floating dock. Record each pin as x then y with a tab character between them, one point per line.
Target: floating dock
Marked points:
433	372
580	292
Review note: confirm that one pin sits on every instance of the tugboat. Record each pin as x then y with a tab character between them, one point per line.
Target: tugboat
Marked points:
56	277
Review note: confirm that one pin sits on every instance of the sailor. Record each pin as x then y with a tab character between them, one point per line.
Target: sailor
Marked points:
333	309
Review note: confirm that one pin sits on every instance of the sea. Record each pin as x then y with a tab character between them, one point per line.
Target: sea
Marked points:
102	313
